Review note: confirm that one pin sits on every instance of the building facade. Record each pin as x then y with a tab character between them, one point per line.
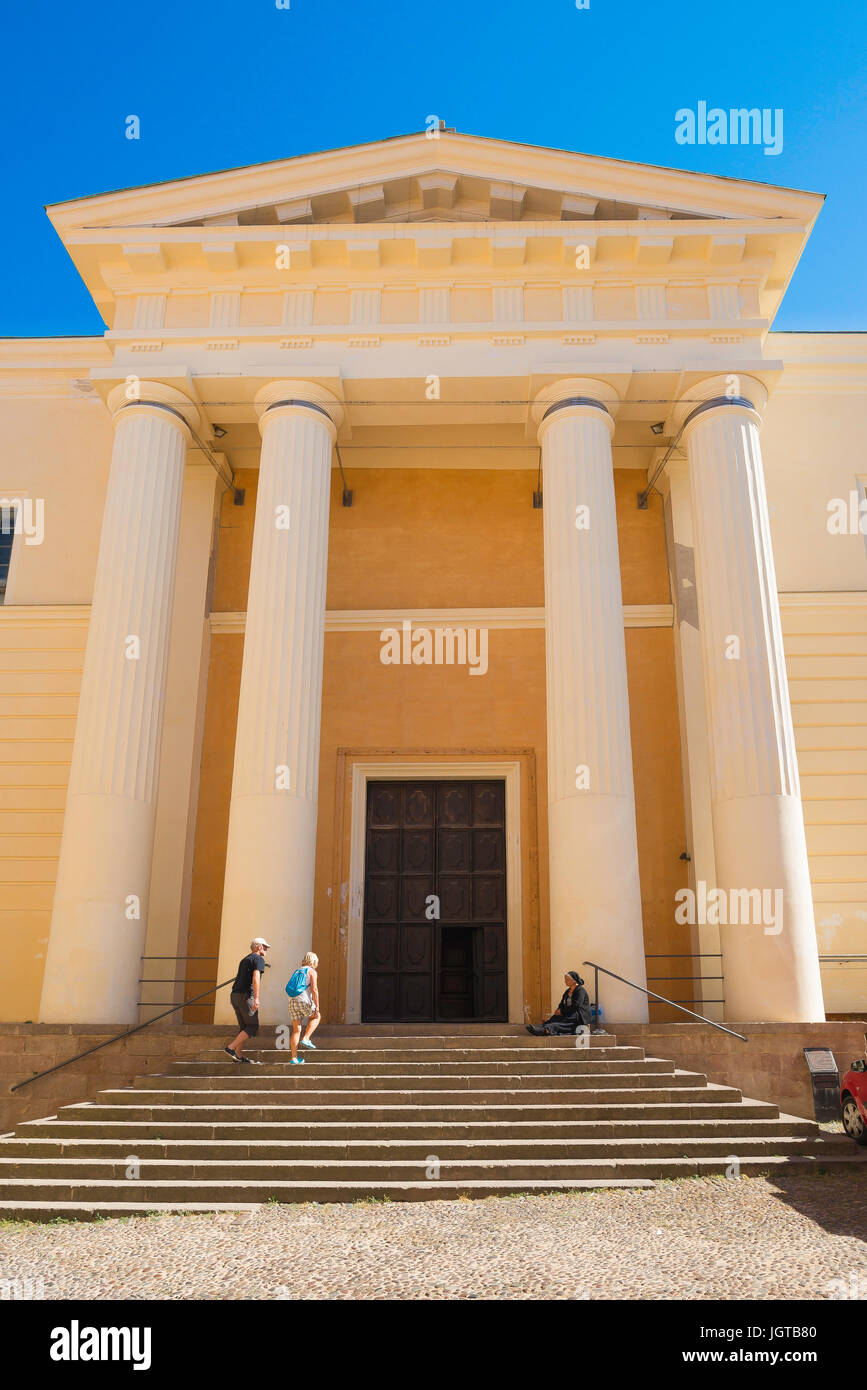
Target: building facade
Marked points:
439	562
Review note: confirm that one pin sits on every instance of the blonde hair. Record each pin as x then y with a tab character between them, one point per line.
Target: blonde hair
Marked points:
311	959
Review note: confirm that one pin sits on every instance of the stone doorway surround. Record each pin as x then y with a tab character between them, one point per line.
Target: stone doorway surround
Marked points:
516	768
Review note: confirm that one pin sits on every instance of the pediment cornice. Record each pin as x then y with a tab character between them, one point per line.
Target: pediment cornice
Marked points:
412	177
413	205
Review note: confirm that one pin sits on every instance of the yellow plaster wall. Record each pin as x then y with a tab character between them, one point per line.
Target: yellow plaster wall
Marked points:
41	659
687	301
188	311
399	306
331	306
428	538
261	310
57	452
472	304
452	538
826	659
614	302
543	303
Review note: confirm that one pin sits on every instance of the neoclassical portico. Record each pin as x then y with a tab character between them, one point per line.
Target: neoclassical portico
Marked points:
436	324
596	910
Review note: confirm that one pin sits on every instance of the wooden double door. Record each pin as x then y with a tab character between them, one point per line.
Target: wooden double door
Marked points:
435	903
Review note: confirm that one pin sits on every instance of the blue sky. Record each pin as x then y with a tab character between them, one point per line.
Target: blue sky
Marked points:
236	82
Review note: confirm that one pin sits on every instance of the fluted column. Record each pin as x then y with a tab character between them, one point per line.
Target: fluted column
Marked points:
771	965
272	821
100	903
593	847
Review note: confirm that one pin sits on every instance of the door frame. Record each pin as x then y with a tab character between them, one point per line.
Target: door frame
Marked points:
501	770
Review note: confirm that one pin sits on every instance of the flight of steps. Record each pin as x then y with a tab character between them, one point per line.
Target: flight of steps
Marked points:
405	1115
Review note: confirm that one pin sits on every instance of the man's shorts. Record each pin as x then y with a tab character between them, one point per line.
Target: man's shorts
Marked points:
248	1022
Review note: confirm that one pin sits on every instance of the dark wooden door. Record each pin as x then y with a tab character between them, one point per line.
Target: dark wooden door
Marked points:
435	903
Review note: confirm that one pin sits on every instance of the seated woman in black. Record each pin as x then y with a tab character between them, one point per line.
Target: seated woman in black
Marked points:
574	1009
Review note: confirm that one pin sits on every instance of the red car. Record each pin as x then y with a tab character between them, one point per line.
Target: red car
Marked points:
853	1099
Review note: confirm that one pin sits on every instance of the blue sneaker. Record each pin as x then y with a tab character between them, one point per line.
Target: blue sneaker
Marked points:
305	1042
296	1061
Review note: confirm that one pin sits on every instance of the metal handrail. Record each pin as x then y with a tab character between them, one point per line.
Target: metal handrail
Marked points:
137	1029
650	994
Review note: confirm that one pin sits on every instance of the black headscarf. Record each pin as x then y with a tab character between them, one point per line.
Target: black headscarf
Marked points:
573	975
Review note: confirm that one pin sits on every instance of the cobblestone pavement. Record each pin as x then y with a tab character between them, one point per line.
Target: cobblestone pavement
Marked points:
789	1238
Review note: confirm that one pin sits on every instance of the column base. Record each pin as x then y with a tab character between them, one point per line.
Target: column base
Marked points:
771	968
268	892
596	900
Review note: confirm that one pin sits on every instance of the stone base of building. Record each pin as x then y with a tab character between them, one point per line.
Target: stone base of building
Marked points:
769	1067
27	1048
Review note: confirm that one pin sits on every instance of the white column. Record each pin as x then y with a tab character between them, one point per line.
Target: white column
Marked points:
703	939
593	847
272	821
183	731
100	902
771	965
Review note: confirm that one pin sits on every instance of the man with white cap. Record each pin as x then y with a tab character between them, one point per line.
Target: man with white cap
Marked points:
245	999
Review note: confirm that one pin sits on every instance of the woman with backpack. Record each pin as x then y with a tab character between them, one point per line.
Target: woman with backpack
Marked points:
303	992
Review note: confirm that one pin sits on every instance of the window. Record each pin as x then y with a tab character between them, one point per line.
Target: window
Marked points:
7	535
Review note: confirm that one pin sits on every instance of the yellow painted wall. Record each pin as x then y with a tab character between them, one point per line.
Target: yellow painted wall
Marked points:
826	659
41	658
420	539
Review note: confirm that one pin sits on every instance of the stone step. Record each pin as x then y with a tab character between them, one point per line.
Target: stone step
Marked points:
264	1105
513	1056
58	1210
389	1047
500	1111
268	1158
236	1122
281	1066
381	1033
46	1138
393	1179
303	1079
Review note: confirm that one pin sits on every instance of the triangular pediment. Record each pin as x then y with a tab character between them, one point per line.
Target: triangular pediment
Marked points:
439	176
439	195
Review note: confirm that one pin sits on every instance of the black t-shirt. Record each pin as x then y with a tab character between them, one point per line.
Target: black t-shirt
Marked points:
246	967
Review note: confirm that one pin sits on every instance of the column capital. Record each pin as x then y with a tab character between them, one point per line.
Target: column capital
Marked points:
731	392
575	396
289	396
153	397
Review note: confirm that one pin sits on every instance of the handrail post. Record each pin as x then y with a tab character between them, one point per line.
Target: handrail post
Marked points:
596	994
